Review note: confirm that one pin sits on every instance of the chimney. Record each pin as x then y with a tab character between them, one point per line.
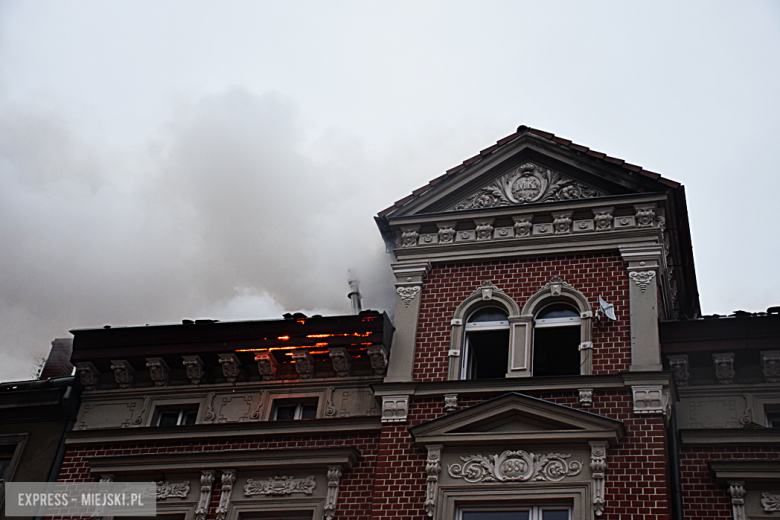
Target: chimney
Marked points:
354	292
58	363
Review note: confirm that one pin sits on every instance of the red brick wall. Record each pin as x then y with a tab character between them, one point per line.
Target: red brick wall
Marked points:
593	275
703	498
355	490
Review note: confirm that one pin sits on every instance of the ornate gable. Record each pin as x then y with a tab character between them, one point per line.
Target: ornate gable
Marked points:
516	418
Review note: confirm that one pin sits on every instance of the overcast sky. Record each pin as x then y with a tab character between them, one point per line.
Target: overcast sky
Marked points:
171	160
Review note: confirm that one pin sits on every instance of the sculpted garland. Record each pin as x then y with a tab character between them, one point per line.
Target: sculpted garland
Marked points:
528	183
515	466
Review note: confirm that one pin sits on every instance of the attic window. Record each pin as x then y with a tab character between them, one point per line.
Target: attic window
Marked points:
294	410
487	344
176	416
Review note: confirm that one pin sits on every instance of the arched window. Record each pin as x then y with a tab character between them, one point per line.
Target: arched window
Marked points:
556	344
487	344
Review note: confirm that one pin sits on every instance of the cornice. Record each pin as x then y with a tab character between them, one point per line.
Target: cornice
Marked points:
729	437
335	426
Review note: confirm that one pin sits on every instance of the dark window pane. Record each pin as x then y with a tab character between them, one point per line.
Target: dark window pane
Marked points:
169	418
555	515
773	419
285	413
488	354
558	310
488	314
190	416
496	515
556	351
309	411
5	462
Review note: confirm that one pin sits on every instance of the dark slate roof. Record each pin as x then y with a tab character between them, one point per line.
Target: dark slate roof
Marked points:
501	143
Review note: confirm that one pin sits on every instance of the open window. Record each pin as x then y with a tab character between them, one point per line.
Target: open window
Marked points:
487	344
556	344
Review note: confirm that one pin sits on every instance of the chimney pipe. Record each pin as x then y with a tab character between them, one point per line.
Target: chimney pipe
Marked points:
354	292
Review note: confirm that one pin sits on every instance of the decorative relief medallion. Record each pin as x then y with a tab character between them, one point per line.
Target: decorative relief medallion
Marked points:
280	486
409	238
642	278
407	294
487	289
528	183
770	502
515	466
484	231
562	224
446	235
555	285
645	217
523	226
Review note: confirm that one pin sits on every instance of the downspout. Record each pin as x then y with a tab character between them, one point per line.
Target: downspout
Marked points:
677	512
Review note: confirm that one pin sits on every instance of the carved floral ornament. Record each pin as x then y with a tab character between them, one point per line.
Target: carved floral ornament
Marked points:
280	486
528	183
770	502
407	294
515	466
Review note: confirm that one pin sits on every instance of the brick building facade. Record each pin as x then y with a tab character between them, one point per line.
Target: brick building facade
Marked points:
547	361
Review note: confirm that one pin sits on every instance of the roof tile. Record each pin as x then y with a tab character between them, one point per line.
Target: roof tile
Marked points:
594	153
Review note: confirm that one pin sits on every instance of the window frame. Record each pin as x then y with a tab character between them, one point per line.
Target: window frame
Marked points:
480	326
535	511
299	402
555	323
183	412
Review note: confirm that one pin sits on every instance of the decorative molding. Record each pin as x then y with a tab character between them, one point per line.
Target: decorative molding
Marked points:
176	490
770	365
483	229
737	492
210	415
723	363
342	361
651	399
409	236
515	466
450	402
304	363
432	468
378	356
144	410
266	365
770	502
598	467
334	475
395	408
680	368
158	370
523	225
228	479
586	397
207	478
124	373
446	233
555	285
280	486
642	278
230	366
486	289
407	294
88	375
645	215
562	222
194	366
256	414
602	217
525	184
330	407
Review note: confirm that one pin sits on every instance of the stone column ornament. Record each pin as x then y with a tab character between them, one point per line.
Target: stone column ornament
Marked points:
124	373
737	492
194	366
228	479
334	476
409	278
231	366
206	482
88	375
723	364
432	468
158	370
643	265
598	467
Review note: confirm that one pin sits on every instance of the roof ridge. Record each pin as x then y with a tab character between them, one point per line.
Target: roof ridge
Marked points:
632	169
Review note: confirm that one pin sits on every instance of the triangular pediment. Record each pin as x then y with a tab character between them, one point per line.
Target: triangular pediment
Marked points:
517	418
529	167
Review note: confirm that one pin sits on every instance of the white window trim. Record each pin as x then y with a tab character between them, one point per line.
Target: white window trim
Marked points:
534	510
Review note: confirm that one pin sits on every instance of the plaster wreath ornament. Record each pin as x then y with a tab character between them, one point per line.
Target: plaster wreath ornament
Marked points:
525	184
642	278
407	294
515	466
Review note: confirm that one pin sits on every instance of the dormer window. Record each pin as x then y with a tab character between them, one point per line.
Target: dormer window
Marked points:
556	341
487	344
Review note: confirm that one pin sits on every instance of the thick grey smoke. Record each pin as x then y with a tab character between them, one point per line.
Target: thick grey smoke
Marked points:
232	212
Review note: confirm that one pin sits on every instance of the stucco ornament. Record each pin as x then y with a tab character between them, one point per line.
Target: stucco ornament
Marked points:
737	492
230	366
525	184
603	220
484	231
158	370
378	356
515	466
194	366
724	368
680	368
280	486
446	235
409	238
562	225
586	397
523	227
642	278
598	467
407	294
206	481
342	361
88	375
645	217
304	363
172	490
770	366
124	373
334	476
450	402
266	365
228	479
432	468
770	502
